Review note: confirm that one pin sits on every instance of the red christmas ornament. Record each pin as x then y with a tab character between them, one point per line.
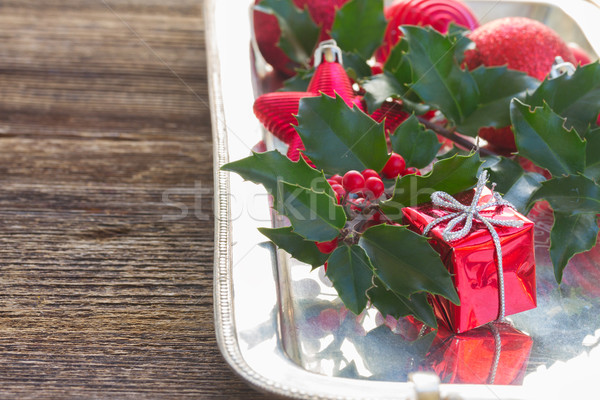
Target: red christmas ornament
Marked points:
277	110
435	13
267	32
500	139
581	56
520	43
392	114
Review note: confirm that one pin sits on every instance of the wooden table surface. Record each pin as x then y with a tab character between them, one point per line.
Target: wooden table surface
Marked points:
106	220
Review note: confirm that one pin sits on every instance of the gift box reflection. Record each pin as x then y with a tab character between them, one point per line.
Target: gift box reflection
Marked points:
492	354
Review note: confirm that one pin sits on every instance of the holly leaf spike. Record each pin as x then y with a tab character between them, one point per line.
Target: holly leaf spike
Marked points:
297	246
540	136
575	97
271	168
313	215
570	235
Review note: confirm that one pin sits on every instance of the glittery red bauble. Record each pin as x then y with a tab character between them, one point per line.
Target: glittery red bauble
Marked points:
435	13
581	56
520	43
267	32
277	110
391	112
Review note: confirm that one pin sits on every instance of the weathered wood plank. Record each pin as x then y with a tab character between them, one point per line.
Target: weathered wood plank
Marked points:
105	284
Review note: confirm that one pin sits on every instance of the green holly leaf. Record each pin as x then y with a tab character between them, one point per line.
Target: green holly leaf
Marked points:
592	158
570	235
398	66
313	215
351	273
438	78
394	82
460	35
359	26
338	138
575	97
497	87
541	137
391	303
299	82
406	263
514	183
451	175
379	88
297	246
571	195
453	152
355	65
299	33
271	168
416	144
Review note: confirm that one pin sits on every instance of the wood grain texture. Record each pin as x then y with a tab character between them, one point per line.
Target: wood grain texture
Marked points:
105	141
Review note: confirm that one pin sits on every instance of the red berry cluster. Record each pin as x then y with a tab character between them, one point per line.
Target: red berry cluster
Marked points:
359	190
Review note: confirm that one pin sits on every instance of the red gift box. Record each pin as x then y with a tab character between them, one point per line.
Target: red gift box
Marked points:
473	263
492	354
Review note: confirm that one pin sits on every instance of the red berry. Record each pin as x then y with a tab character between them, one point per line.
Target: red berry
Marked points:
327	247
325	266
376	217
394	167
353	181
374	187
368	173
336	178
411	171
340	192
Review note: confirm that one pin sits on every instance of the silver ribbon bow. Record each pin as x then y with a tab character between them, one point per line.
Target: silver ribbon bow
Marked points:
469	212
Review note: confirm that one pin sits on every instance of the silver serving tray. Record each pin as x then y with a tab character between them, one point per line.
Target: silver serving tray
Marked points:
281	326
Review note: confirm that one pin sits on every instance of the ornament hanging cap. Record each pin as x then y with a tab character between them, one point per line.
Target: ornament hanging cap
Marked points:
328	50
561	67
